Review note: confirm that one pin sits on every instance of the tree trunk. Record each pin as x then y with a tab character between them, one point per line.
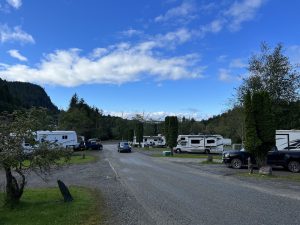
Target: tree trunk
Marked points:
14	191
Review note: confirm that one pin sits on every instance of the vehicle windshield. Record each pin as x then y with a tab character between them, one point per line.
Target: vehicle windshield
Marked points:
122	144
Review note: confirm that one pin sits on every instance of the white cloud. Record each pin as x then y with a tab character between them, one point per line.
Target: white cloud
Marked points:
179	36
131	32
242	11
121	64
224	75
238	63
98	52
213	27
15	3
294	54
16	54
157	116
15	34
222	58
168	40
181	13
233	17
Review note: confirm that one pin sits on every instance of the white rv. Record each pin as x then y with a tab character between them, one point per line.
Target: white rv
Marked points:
200	143
288	140
67	139
158	141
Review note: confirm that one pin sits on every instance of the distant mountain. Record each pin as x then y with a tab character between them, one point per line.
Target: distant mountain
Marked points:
14	95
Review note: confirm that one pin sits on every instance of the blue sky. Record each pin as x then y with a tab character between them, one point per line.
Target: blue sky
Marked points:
177	57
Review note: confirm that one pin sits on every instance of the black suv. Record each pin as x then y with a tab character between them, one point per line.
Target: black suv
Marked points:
287	159
94	144
124	146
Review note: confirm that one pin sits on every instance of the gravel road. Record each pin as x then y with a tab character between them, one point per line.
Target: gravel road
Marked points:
139	189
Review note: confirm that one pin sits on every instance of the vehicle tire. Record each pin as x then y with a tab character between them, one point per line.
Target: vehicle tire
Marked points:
178	150
294	166
207	151
236	163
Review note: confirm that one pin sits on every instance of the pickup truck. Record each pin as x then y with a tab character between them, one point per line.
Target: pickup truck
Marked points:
286	159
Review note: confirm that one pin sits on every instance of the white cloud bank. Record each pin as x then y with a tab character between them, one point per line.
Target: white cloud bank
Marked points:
233	17
242	11
16	54
15	3
15	34
158	116
116	64
181	13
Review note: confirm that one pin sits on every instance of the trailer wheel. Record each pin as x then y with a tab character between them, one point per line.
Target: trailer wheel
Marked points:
294	166
207	151
178	150
236	163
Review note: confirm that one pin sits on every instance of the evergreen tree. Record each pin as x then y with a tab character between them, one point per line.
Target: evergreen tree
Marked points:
130	135
166	129
74	101
262	109
252	140
171	131
139	132
259	125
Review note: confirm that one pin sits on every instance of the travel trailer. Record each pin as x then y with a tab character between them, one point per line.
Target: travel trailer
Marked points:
157	141
67	139
200	143
288	140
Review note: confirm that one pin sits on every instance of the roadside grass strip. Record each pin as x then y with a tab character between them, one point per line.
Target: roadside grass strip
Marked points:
202	156
291	177
210	162
46	206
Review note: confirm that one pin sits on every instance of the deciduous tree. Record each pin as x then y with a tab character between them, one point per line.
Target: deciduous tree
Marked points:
15	129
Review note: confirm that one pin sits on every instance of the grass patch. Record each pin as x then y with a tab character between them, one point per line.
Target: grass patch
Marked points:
76	158
291	177
151	149
46	206
210	162
202	156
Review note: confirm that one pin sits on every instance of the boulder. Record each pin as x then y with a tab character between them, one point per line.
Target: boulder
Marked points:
265	170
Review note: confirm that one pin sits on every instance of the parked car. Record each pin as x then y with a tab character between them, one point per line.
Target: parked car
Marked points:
286	159
124	147
94	144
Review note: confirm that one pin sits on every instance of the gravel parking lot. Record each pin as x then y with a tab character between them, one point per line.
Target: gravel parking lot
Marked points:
140	189
121	205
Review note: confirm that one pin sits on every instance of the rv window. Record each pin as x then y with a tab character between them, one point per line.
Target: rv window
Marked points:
65	137
210	141
183	143
145	139
182	139
195	141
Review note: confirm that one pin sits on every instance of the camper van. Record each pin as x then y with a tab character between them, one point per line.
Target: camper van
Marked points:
67	139
200	143
288	140
157	141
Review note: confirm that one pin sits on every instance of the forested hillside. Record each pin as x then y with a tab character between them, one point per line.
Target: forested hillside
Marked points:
15	95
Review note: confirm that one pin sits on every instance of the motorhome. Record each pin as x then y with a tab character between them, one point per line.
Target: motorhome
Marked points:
200	143
157	141
288	140
66	139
